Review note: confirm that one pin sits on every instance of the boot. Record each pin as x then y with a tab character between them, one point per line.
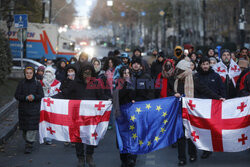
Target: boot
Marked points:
206	154
90	161
28	148
81	162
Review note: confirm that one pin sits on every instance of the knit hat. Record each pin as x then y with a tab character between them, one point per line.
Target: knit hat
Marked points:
136	60
41	68
199	52
183	65
225	50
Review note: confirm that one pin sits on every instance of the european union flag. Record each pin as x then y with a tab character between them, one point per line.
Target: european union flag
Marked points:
147	126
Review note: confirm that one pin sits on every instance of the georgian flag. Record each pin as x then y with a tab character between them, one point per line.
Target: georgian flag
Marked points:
83	121
233	72
217	126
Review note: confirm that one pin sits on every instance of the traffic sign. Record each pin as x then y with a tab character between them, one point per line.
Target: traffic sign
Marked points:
21	20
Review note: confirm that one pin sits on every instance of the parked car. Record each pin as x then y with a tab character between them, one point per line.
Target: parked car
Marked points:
17	63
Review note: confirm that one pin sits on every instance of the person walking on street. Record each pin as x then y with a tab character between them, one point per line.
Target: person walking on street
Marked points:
186	84
29	93
123	94
229	71
109	70
61	70
40	72
156	66
83	59
50	86
137	54
213	81
125	61
80	89
165	80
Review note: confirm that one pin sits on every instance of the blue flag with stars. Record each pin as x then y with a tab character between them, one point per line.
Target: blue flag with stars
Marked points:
147	126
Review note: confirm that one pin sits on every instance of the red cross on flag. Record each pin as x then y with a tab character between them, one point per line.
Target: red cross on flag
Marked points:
217	126
233	72
83	121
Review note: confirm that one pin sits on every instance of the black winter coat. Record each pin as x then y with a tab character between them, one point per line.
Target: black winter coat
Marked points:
213	81
29	112
199	89
79	90
156	68
126	93
144	86
243	83
61	74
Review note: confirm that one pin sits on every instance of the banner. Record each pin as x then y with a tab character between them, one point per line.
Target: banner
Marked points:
149	125
217	126
79	121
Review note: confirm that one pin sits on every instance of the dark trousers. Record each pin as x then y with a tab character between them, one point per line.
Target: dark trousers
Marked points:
80	150
128	159
182	149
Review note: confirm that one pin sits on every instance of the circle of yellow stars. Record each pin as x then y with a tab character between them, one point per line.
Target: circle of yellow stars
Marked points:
132	127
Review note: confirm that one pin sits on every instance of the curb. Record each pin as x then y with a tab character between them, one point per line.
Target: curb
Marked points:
8	120
11	106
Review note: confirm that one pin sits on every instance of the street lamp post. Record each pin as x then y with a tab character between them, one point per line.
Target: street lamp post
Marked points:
110	4
10	16
163	14
242	23
204	22
43	10
140	15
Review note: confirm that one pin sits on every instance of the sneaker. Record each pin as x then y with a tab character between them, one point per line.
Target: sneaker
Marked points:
110	127
181	163
48	142
192	159
66	144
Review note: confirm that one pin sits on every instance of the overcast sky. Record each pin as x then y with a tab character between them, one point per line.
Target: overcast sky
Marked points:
82	6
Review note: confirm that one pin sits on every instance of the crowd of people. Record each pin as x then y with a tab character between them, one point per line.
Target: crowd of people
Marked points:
125	78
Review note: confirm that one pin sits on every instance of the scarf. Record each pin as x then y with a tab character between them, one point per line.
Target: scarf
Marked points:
163	84
188	84
48	79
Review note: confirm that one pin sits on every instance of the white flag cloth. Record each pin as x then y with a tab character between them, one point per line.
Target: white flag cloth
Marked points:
83	121
233	72
217	126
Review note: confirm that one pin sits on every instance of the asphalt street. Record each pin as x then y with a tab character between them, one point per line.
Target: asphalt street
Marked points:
106	155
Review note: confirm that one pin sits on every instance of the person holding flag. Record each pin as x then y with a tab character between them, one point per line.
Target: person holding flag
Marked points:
51	86
189	86
213	81
123	94
83	88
